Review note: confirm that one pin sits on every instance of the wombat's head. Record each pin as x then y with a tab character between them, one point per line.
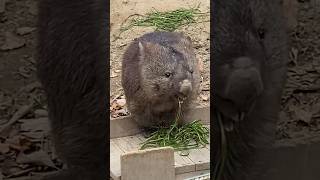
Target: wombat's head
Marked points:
248	40
168	70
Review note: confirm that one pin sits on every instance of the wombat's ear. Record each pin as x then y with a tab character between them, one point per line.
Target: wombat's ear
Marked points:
143	49
185	36
188	38
187	41
146	47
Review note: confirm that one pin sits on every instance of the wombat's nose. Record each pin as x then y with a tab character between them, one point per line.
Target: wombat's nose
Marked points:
244	86
185	87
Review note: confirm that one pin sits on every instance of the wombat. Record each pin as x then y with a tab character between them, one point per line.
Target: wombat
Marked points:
249	71
159	70
71	65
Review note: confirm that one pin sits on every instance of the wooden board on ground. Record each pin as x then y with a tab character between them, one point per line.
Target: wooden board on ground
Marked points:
185	176
182	164
125	126
155	164
115	154
126	140
197	160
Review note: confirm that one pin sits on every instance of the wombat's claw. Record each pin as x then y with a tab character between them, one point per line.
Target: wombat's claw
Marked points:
181	99
239	117
229	126
242	116
147	132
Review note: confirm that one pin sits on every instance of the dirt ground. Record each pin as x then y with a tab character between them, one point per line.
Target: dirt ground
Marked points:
25	148
300	115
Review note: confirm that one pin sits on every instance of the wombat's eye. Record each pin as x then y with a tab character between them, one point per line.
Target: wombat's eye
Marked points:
261	33
168	74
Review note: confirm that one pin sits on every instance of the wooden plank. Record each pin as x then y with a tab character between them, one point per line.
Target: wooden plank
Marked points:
199	113
201	157
155	164
191	174
125	126
115	154
135	141
128	144
205	164
183	164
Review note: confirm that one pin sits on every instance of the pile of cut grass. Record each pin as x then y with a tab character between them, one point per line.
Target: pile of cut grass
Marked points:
190	136
166	21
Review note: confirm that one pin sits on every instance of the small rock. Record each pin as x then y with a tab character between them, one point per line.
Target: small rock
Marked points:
204	97
40	113
25	30
113	75
303	115
121	102
12	42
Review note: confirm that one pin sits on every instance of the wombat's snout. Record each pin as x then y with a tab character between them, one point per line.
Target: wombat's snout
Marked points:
185	88
244	83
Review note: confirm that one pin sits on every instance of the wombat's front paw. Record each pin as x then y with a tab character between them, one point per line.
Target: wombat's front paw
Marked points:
146	132
229	123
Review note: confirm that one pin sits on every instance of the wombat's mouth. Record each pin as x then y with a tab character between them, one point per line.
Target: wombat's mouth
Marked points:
181	97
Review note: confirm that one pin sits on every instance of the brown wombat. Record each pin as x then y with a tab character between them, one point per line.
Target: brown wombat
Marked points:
158	70
249	72
71	66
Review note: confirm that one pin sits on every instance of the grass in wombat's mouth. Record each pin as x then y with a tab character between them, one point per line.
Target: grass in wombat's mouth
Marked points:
167	21
189	136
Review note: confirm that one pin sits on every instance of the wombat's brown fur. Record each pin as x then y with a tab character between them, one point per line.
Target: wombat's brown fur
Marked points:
157	69
249	72
71	66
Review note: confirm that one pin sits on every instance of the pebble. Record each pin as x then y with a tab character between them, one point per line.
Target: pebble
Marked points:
40	113
12	42
25	30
